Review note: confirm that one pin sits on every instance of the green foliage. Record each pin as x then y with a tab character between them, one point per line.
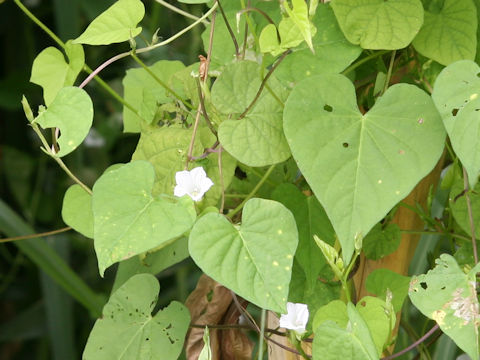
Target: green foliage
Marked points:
381	241
116	24
127	329
456	95
72	113
381	281
124	210
379	24
458	205
449	34
254	259
375	159
447	295
77	210
52	61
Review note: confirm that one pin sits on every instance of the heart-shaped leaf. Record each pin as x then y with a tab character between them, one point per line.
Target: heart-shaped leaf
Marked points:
379	24
457	96
72	112
77	210
254	259
450	34
116	24
381	241
381	280
128	331
360	166
448	295
129	220
51	72
257	139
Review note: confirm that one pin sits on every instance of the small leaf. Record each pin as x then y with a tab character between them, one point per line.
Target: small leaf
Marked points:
77	210
72	112
335	311
116	24
51	72
457	96
381	280
360	165
127	330
254	259
381	242
129	220
450	34
257	139
298	13
448	295
206	353
379	24
458	205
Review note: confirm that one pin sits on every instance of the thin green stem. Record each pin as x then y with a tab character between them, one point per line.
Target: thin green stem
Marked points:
457	236
33	236
253	192
59	161
180	11
261	335
249	22
363	61
159	81
389	72
39	23
470	214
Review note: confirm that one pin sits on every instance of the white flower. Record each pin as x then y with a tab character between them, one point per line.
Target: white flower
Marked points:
296	318
194	183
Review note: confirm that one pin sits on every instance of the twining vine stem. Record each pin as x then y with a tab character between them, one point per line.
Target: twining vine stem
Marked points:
37	235
230	31
412	346
181	12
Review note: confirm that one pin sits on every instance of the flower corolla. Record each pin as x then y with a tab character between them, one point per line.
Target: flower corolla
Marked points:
296	317
193	183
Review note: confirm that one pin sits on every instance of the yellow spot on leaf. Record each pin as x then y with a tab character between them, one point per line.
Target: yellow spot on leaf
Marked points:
438	316
473	96
289	256
379	181
279	287
287	268
279	232
275	263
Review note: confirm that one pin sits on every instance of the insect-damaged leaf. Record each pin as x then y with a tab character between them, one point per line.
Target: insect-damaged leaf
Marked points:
448	295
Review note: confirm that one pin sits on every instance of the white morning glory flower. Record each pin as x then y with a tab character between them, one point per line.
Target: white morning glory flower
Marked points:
193	183
296	318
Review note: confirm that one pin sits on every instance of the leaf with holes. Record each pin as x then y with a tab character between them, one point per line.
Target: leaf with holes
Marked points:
128	331
450	33
333	53
257	139
116	24
77	210
129	220
360	166
52	72
253	259
457	96
379	24
72	112
448	295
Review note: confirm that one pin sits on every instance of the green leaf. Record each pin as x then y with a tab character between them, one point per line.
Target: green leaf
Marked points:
129	220
360	166
458	205
379	24
381	280
333	53
289	35
142	90
52	72
72	112
127	330
457	96
448	295
116	24
77	210
333	342
335	311
449	35
257	139
253	259
381	242
379	318
153	262
311	220
298	13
